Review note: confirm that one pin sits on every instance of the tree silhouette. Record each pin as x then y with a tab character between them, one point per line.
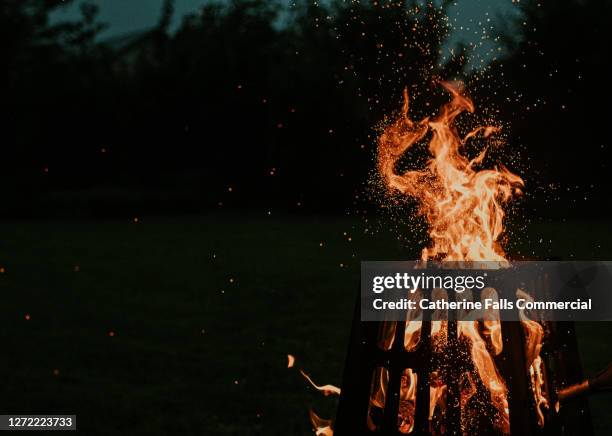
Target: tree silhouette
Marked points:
279	104
554	90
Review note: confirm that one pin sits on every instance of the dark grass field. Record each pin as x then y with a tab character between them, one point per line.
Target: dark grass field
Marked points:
183	325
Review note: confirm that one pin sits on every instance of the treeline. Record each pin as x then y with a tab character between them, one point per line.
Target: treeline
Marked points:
253	104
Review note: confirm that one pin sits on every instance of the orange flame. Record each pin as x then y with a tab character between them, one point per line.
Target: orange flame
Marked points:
437	401
533	345
378	397
491	324
407	401
325	389
463	207
322	427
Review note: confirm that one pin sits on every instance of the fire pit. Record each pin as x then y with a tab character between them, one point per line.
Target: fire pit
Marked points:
440	373
443	376
394	384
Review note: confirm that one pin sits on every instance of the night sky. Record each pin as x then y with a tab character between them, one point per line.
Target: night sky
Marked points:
469	17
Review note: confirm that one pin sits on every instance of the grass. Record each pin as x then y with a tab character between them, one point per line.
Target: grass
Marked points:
183	325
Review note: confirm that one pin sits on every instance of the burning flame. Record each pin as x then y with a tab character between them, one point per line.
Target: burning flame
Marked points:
407	401
378	399
533	345
491	324
326	389
322	427
463	207
437	393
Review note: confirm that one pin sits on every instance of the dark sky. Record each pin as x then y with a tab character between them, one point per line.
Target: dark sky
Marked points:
469	18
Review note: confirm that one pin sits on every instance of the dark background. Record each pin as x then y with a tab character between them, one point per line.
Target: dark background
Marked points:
183	207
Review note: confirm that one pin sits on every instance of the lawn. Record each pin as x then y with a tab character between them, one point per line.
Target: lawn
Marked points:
183	325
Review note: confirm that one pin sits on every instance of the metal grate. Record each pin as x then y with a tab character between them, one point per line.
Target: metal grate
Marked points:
367	357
